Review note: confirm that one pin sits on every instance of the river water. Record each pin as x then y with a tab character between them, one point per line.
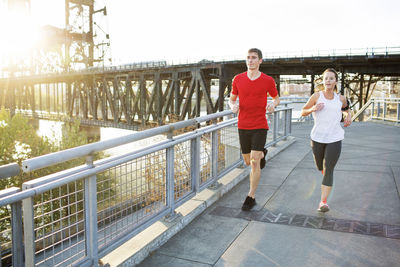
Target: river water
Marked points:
53	130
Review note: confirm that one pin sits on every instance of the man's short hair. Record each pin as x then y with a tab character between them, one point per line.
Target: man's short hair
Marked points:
256	50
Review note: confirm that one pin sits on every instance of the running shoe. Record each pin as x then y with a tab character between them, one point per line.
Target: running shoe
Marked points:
262	161
249	203
323	207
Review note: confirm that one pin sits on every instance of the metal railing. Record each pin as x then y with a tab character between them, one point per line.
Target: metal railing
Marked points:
385	109
77	216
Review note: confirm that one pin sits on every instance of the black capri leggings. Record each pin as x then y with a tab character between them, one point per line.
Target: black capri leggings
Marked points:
326	157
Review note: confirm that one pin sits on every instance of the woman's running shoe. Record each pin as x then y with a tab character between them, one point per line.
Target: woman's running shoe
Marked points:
323	207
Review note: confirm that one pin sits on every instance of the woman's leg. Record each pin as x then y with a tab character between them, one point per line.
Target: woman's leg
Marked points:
318	150
331	157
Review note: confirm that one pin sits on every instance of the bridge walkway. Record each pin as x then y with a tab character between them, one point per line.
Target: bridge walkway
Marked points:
284	228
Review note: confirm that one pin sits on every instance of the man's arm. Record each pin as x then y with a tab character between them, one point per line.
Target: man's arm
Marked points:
271	106
232	103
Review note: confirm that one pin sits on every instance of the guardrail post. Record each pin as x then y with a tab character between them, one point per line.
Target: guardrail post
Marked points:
275	127
170	180
378	113
214	156
16	228
384	109
195	163
290	122
16	224
285	129
91	238
29	231
373	108
398	112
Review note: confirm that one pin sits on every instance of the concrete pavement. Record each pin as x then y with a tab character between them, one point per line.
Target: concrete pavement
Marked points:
284	229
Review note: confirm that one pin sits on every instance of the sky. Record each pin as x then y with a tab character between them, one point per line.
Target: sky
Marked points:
213	28
179	30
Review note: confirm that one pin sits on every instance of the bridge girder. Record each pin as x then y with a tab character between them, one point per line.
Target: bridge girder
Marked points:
154	96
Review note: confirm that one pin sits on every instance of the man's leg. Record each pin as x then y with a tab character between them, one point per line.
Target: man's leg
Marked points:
255	174
258	140
246	158
254	143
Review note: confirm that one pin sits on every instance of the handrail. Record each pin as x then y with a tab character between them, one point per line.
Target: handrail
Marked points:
394	99
361	110
85	150
387	109
9	170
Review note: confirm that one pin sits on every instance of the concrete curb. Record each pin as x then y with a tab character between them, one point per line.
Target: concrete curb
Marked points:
140	246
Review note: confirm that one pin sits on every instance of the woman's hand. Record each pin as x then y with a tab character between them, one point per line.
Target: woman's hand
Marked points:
318	107
347	120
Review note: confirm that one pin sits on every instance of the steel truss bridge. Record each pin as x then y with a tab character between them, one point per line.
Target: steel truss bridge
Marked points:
145	95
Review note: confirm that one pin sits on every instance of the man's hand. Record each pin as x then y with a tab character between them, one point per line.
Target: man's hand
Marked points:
234	106
271	107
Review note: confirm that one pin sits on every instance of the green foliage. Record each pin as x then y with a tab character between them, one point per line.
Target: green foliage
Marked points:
19	141
60	206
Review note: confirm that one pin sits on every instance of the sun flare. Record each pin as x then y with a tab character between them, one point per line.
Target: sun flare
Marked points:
21	32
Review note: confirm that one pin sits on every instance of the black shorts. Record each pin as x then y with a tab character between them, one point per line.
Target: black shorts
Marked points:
252	140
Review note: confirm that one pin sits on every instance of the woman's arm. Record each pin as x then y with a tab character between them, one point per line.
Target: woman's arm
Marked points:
311	105
346	111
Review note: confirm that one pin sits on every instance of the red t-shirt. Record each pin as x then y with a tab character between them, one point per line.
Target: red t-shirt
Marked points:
253	99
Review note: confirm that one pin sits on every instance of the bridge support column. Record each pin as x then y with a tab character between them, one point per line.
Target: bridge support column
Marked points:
128	100
176	89
31	89
11	100
312	84
142	86
342	84
277	79
70	100
34	122
159	97
198	92
222	86
360	97
92	133
278	84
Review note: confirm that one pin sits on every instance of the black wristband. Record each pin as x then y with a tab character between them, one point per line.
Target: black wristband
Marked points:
346	107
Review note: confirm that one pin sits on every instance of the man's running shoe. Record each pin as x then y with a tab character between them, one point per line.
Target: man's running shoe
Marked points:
249	203
262	161
323	207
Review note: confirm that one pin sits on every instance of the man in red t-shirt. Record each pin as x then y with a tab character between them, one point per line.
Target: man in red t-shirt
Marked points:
252	87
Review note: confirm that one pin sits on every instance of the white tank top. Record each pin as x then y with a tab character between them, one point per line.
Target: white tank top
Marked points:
327	128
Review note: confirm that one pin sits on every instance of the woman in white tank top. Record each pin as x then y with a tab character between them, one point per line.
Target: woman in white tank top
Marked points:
327	134
327	128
